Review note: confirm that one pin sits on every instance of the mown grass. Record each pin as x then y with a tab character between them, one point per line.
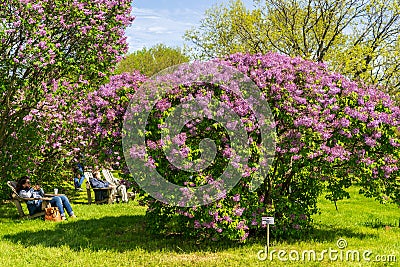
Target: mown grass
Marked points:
115	235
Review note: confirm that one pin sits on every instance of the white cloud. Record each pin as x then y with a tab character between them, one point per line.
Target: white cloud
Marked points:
151	27
166	21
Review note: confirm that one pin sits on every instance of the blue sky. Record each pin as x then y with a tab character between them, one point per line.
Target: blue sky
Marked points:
165	21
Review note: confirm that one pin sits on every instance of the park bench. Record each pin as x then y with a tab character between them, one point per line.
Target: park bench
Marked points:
18	200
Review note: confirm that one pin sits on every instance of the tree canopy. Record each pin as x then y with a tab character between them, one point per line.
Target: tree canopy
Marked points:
150	61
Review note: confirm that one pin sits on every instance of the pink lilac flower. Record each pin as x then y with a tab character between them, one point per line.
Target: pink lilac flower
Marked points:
238	211
236	198
179	139
197	224
163	105
370	142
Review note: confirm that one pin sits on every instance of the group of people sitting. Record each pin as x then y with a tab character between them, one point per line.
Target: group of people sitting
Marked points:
118	187
25	190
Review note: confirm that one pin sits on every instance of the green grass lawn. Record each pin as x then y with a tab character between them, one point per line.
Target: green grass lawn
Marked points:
114	235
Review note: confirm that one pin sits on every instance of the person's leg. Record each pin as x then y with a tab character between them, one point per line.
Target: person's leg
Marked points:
57	202
76	182
67	205
114	192
81	180
122	192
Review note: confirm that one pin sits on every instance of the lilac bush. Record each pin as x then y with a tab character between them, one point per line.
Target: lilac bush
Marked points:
332	133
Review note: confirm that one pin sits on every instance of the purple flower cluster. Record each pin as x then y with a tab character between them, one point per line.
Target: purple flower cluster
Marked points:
313	106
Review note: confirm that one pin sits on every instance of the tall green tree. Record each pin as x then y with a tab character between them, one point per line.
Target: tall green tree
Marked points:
150	61
227	29
51	49
359	38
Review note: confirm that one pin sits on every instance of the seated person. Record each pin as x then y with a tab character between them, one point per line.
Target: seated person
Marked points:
117	187
79	176
25	190
96	181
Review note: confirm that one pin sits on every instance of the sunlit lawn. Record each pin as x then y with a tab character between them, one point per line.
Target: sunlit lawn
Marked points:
115	235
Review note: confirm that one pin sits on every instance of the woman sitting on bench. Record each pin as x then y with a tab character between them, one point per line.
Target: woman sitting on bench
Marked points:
25	190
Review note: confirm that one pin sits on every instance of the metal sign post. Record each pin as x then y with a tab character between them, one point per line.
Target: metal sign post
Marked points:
267	221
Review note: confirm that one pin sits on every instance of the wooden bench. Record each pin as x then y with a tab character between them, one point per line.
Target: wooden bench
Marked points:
18	200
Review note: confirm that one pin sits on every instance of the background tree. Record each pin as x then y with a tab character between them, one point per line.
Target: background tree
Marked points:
360	39
51	54
227	29
151	61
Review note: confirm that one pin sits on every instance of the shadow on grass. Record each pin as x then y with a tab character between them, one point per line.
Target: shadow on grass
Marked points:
8	210
120	234
333	234
127	233
317	234
378	223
